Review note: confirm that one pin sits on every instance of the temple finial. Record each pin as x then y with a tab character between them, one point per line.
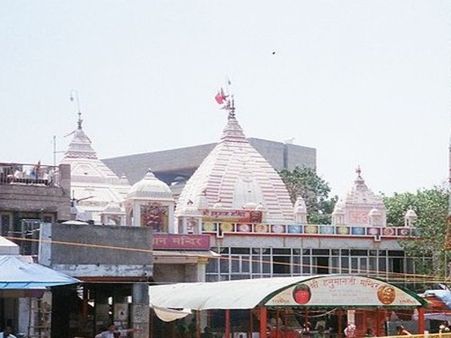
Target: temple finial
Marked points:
73	98
227	100
358	171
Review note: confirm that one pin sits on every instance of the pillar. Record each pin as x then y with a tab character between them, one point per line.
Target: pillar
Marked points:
227	323
421	318
340	321
101	308
140	310
263	321
197	324
378	323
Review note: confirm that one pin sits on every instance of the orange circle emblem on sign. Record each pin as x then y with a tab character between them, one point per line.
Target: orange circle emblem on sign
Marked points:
302	294
386	294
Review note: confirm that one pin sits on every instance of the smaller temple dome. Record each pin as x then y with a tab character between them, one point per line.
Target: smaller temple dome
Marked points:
338	209
374	212
410	217
260	207
150	187
218	205
201	202
250	206
299	206
113	207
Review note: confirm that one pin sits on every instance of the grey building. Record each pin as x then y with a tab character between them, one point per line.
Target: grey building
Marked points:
180	163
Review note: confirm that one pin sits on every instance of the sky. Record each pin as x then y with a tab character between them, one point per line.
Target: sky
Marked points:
364	82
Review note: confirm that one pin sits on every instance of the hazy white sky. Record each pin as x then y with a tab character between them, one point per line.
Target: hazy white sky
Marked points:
364	82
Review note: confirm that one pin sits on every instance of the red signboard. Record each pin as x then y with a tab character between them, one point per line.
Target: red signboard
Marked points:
181	242
238	216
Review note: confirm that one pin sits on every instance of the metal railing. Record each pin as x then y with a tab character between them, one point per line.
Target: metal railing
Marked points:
28	174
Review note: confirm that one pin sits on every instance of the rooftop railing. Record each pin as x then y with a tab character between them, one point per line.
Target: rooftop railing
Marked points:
376	232
28	174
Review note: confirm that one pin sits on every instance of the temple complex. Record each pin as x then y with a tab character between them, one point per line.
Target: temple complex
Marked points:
237	198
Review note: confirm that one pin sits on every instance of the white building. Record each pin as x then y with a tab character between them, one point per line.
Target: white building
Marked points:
94	186
237	198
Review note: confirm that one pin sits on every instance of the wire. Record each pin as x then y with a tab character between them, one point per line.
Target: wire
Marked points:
392	276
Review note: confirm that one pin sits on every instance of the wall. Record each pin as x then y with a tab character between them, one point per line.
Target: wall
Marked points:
105	260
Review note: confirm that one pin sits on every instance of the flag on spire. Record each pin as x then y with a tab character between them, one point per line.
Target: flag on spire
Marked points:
221	97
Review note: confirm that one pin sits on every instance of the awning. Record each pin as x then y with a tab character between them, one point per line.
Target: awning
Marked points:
20	273
306	291
168	315
7	247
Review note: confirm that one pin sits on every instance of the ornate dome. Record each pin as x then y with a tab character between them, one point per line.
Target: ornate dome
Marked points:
150	187
113	207
374	212
93	184
361	194
360	203
299	206
235	174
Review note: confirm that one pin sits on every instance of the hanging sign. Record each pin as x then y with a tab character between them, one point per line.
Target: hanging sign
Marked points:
343	291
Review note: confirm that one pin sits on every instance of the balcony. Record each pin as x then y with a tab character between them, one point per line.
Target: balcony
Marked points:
29	174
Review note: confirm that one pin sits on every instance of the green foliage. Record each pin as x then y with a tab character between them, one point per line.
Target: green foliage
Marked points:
431	207
313	189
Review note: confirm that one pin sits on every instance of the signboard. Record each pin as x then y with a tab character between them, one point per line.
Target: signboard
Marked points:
181	242
233	216
343	291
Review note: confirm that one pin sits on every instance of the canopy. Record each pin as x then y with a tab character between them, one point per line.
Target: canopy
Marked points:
19	273
307	291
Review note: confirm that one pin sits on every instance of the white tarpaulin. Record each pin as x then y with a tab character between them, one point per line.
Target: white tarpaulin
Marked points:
168	315
19	272
282	291
239	294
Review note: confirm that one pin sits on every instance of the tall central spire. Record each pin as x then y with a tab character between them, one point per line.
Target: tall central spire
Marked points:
232	131
80	146
74	98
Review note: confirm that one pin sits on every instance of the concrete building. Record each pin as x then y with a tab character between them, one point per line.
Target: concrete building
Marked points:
30	194
174	165
113	262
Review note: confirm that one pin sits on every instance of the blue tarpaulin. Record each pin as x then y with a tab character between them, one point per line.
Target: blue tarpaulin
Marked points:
20	273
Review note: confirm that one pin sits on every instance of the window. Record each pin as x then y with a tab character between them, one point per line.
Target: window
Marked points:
281	265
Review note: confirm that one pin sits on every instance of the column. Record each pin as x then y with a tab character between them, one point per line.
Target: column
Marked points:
263	321
227	323
140	310
421	318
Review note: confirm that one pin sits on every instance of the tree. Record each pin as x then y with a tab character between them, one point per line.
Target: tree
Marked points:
431	207
313	189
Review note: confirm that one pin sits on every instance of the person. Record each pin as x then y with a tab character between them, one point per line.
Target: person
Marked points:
113	332
369	332
207	333
349	331
7	333
401	331
444	328
320	333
